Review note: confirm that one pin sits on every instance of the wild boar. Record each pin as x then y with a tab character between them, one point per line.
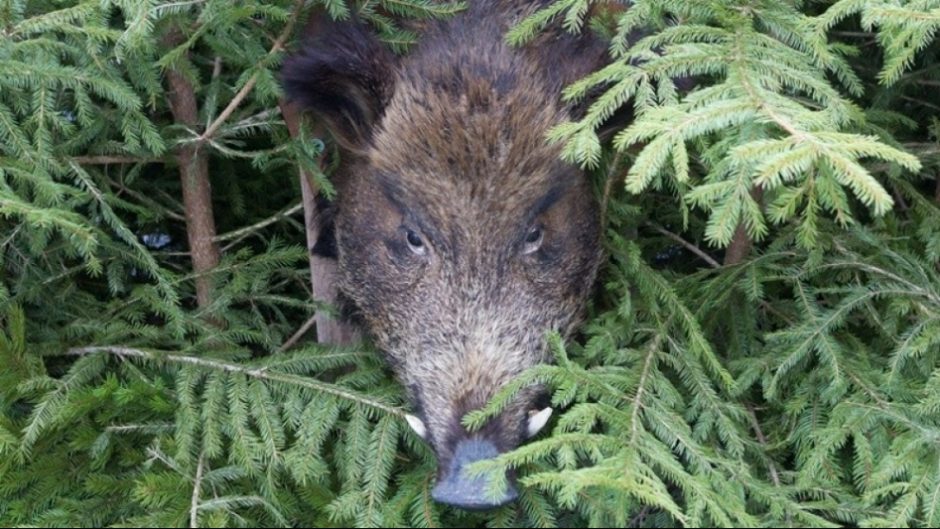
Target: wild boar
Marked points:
462	238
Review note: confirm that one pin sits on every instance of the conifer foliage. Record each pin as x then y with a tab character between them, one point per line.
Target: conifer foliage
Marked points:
763	348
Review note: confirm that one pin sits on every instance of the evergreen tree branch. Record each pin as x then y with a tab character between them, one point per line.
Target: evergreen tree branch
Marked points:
197	487
741	243
150	202
260	373
277	47
652	351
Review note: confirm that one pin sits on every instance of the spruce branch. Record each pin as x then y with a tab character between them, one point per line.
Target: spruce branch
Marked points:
197	489
259	373
240	96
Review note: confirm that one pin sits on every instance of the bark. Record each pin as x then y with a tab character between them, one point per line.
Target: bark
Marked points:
194	175
741	243
936	192
323	272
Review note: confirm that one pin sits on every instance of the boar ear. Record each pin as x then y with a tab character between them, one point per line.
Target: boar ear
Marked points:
344	76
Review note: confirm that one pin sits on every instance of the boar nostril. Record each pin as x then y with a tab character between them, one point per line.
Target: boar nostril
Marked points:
417	425
456	488
537	421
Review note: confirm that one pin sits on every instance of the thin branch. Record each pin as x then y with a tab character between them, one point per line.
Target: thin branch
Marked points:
899	198
153	204
243	93
292	341
653	350
216	67
640	517
12	235
921	102
774	476
247	230
140	428
260	373
114	160
858	34
608	186
688	245
194	506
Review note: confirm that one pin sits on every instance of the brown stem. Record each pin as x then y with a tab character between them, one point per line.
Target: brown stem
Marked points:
143	198
741	242
774	475
194	173
936	193
688	245
241	233
292	341
899	198
739	248
324	274
197	490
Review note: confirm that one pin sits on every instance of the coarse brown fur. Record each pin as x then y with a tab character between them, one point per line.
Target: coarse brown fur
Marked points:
449	143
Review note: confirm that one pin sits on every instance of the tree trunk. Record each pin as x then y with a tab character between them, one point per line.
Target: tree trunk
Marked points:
936	192
741	243
323	271
197	190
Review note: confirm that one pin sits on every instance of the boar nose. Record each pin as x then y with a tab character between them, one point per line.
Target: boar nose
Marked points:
455	488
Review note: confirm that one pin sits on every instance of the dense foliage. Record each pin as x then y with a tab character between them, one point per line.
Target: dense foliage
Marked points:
763	349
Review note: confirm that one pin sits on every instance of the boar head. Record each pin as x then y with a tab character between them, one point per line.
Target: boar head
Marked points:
462	238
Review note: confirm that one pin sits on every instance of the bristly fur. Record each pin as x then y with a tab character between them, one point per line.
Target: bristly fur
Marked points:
449	142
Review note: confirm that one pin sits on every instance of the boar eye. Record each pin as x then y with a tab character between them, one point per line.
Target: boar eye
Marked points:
415	243
533	240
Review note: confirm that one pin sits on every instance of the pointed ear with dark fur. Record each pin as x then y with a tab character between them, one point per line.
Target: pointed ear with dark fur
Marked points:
344	76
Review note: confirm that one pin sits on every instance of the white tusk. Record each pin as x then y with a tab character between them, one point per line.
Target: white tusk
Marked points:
417	425
538	421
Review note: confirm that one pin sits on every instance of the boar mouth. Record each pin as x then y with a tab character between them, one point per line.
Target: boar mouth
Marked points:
455	487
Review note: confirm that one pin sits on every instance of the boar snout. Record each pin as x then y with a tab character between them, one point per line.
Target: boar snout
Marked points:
455	487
